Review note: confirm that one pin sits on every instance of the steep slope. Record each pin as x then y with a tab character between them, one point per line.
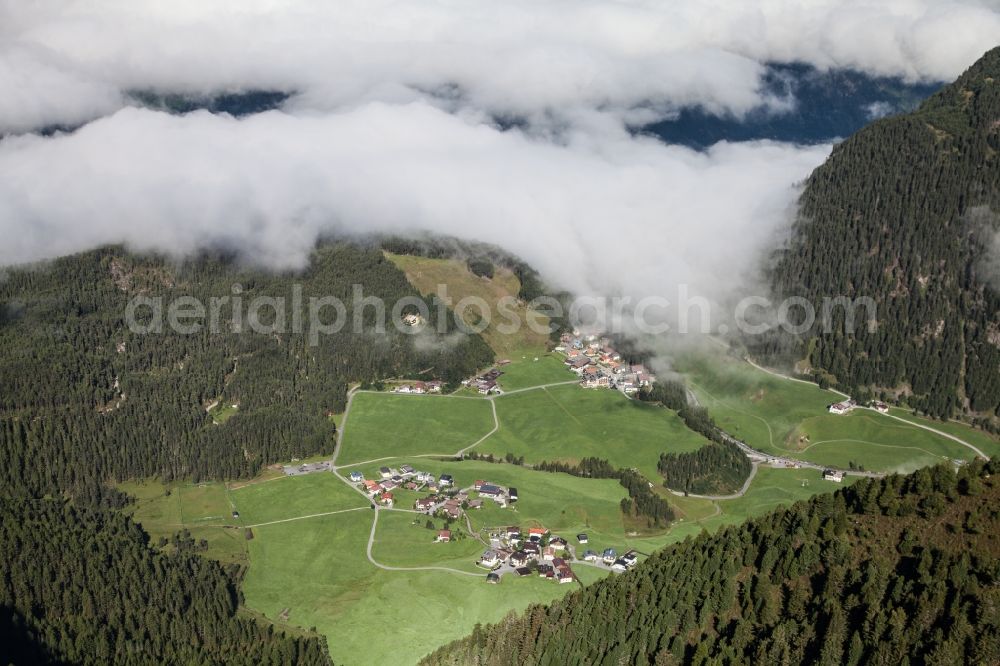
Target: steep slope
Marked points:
897	570
81	586
903	212
84	400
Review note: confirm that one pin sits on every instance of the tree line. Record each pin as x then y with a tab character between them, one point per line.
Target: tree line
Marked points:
899	570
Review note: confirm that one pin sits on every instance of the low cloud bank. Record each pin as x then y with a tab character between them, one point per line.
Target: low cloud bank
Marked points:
391	125
65	61
600	211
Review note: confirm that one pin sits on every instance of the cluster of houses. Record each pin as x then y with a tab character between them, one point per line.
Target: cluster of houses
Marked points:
452	504
405	477
419	387
486	383
600	366
536	551
845	406
611	559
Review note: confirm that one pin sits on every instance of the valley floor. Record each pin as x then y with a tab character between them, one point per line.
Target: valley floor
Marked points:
321	556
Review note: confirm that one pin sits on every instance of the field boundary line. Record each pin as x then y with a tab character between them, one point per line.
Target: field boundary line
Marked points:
312	515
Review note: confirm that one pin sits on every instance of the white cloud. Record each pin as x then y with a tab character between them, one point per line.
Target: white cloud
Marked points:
601	211
366	146
518	56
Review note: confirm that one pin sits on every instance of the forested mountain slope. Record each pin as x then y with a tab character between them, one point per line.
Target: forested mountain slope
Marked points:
903	212
83	400
81	586
901	570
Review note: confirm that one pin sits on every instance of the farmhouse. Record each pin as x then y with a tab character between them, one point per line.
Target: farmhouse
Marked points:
880	407
443	536
833	475
842	407
476	504
490	490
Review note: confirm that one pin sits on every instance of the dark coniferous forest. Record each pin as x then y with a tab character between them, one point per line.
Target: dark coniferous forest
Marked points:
901	570
85	402
903	212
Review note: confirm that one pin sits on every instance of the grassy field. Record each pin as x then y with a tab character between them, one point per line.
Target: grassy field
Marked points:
762	409
987	443
427	274
868	438
403	540
534	367
165	509
293	496
320	577
790	418
383	424
567	423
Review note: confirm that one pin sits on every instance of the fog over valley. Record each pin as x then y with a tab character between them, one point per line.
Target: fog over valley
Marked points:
391	125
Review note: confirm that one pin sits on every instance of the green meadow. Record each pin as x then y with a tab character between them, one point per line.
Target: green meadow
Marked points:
568	423
984	441
314	573
384	425
307	562
534	367
293	496
790	418
867	438
166	509
762	409
772	488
